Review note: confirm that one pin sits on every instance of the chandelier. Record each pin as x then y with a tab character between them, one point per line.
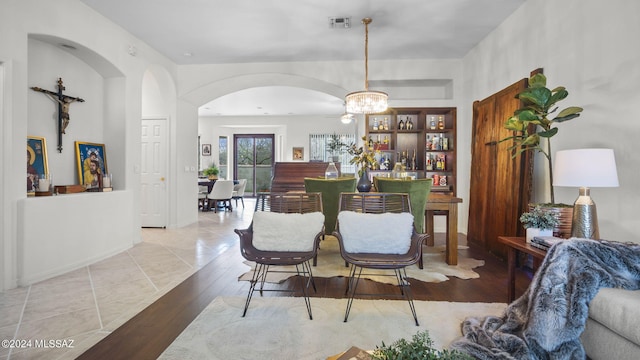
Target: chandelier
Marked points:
367	101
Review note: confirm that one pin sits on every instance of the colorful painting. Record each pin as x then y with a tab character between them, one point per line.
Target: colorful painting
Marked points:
92	164
37	164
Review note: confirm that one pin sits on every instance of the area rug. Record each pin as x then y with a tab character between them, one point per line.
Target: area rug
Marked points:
331	264
279	327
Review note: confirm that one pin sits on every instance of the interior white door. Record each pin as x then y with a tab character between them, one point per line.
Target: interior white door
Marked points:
153	173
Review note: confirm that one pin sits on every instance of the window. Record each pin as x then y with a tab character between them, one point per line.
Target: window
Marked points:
223	156
319	149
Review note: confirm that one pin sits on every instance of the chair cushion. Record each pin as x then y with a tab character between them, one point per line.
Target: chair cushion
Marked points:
286	231
388	233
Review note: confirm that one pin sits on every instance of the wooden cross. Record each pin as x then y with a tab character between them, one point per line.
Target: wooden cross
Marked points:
63	108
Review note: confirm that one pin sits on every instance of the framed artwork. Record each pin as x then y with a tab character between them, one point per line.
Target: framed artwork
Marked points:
298	153
206	149
91	160
37	163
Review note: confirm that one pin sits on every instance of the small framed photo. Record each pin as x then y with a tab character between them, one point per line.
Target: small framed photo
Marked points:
298	153
37	163
206	149
91	160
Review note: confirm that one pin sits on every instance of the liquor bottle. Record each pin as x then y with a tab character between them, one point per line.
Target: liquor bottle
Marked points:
403	159
441	122
401	125
443	166
413	160
429	163
409	124
428	143
378	141
445	143
387	163
386	139
386	124
432	124
375	124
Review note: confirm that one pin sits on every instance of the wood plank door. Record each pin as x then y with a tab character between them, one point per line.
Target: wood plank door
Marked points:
500	185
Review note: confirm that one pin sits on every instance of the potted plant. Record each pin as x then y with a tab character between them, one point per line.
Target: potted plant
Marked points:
539	222
533	130
531	123
335	146
363	159
211	172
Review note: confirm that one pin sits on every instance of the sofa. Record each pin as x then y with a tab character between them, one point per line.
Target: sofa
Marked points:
612	330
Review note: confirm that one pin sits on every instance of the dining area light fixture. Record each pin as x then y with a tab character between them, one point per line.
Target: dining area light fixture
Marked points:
366	101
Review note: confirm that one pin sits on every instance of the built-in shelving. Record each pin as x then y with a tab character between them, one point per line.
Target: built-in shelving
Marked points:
422	139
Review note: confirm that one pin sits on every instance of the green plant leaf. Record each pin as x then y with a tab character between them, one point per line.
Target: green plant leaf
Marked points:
556	96
537	80
570	111
549	133
538	96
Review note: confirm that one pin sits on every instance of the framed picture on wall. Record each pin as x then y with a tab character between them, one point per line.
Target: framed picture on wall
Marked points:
37	163
206	149
298	153
91	160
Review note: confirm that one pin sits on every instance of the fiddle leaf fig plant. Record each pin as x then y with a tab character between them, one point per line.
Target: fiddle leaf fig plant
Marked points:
532	127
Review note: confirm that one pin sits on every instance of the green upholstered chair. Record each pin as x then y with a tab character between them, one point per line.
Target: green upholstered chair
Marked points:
330	189
418	191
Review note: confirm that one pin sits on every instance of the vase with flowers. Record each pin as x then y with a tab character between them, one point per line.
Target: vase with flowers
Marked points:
363	158
538	222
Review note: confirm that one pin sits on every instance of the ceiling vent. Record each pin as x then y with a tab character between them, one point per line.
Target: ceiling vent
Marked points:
340	22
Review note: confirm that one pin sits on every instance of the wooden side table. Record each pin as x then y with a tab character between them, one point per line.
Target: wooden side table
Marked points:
448	205
515	245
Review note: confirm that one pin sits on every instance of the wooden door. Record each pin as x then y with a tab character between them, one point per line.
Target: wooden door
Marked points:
500	185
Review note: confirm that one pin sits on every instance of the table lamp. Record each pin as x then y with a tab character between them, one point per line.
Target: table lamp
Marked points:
585	168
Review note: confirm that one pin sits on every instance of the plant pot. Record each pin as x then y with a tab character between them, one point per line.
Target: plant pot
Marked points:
213	177
564	215
531	232
335	158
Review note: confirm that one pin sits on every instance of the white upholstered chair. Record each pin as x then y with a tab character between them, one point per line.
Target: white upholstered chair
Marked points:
221	193
238	191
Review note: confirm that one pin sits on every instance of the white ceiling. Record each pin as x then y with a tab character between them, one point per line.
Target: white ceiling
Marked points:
243	31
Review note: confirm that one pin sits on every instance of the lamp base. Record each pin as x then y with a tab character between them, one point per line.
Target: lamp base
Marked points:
585	217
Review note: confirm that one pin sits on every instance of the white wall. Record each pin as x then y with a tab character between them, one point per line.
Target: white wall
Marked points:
588	46
110	80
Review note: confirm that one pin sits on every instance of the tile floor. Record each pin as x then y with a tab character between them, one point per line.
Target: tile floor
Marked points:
85	305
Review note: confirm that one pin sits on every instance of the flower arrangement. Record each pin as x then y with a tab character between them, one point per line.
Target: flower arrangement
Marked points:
361	157
539	219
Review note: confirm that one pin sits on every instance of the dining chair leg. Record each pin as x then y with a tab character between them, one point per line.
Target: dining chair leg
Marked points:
405	288
252	287
352	292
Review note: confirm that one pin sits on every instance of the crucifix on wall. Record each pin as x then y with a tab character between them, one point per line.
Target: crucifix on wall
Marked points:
63	108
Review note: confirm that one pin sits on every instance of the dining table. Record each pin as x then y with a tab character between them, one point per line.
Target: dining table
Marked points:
207	182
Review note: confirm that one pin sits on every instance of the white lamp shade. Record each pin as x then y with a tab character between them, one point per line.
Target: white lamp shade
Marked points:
585	168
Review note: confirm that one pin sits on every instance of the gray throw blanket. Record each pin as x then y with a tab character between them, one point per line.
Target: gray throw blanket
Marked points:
547	321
